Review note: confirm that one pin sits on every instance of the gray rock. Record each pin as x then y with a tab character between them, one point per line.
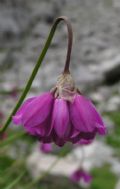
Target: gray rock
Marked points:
95	54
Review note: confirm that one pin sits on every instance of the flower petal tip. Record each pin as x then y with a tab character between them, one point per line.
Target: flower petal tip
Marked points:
16	119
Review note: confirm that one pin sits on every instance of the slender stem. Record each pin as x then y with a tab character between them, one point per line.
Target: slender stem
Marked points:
69	49
38	64
82	156
44	174
12	184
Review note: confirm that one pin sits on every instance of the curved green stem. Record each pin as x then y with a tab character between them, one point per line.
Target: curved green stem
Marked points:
38	64
44	174
12	184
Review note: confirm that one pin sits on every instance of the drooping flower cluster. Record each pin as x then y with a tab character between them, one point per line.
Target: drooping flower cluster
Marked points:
79	175
61	115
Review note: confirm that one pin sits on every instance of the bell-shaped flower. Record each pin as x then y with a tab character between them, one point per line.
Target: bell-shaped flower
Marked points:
60	116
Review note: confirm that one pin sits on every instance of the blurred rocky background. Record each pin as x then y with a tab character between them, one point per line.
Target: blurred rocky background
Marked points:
95	61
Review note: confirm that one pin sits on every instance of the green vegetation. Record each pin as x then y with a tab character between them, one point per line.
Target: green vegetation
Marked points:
103	178
12	169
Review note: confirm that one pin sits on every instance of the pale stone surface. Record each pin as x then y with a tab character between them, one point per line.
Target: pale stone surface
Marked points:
89	156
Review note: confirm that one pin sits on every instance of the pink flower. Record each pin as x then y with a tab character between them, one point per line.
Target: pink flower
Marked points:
46	148
80	174
60	116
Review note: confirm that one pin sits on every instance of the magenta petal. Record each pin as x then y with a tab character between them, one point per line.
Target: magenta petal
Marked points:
46	147
38	110
60	117
74	133
99	124
40	130
84	116
87	177
18	116
79	174
47	139
57	140
76	175
85	142
31	131
101	130
43	129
